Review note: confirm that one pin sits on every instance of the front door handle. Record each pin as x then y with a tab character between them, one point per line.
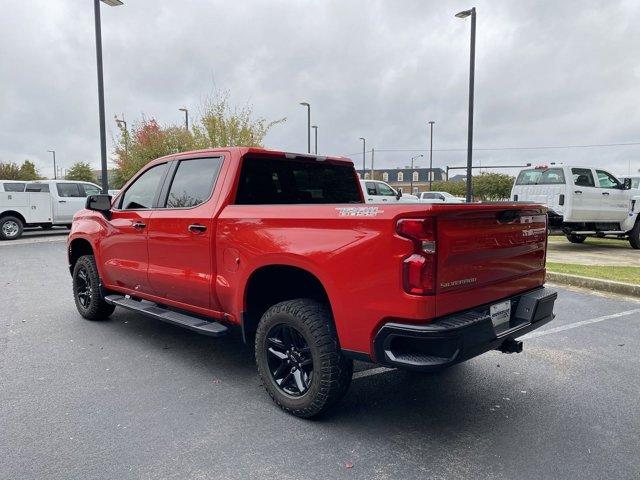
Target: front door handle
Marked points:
605	193
579	192
62	201
138	225
196	228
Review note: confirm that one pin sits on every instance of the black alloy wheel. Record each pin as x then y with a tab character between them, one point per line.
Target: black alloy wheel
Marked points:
289	360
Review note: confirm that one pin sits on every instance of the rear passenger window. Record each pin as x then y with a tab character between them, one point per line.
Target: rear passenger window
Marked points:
142	192
14	187
582	177
193	182
371	188
69	190
37	187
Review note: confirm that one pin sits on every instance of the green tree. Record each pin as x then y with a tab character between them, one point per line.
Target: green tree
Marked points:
28	171
219	126
492	186
454	188
81	172
9	171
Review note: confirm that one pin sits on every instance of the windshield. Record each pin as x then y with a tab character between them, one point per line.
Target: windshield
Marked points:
536	176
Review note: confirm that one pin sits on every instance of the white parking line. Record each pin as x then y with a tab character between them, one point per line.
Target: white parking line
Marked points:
562	328
373	371
30	240
581	323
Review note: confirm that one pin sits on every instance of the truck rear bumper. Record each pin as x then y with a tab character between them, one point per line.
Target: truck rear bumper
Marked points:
461	336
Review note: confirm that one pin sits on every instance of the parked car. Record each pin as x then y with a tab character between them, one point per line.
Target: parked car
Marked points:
376	191
439	197
583	201
40	204
270	243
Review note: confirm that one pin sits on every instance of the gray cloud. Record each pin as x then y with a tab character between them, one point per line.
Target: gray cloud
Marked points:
548	73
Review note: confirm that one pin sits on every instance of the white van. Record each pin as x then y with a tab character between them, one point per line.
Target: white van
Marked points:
40	204
376	191
582	201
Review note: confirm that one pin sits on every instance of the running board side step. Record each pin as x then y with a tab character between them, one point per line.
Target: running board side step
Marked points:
150	309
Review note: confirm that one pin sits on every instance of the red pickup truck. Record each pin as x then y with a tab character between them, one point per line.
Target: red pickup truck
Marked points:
284	247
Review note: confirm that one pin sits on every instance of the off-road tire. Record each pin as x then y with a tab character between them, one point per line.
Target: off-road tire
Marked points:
91	305
10	228
332	371
573	238
634	235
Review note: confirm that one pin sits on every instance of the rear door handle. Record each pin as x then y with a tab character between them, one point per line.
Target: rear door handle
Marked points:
579	192
605	193
62	201
196	228
138	225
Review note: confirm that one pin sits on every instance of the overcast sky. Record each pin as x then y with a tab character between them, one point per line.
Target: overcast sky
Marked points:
547	73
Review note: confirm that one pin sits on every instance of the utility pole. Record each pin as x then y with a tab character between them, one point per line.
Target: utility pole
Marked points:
55	170
372	170
306	104
186	117
364	153
315	127
430	155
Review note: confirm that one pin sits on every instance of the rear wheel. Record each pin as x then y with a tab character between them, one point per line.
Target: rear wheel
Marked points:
10	228
86	290
299	358
573	238
634	235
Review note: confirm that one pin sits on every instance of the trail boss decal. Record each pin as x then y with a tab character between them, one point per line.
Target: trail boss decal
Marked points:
358	211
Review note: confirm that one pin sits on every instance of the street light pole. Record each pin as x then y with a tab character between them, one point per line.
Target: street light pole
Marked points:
103	133
126	133
364	156
431	154
315	127
305	104
186	117
412	159
55	170
472	63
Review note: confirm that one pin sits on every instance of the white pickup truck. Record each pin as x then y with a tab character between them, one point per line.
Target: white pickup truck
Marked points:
40	204
376	191
583	201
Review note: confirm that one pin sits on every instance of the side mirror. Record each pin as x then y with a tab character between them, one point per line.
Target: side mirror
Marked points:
99	203
627	184
398	194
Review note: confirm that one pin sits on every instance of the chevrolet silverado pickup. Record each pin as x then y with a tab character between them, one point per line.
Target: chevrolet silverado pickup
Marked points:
270	242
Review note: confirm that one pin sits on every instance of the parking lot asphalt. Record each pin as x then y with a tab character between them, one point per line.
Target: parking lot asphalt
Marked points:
134	398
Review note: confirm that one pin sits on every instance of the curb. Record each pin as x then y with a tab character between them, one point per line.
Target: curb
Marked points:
609	286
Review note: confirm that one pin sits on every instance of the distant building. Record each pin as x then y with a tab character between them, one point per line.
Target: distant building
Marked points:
458	178
404	178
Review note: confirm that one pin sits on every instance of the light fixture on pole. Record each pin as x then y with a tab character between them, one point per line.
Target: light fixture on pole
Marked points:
103	133
186	117
55	170
412	159
315	128
431	153
305	104
472	62
364	156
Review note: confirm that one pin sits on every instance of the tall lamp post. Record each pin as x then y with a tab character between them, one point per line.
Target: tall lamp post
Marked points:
103	134
364	156
186	117
315	128
412	159
55	170
431	153
472	63
305	104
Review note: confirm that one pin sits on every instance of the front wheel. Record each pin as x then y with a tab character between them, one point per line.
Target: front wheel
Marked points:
634	236
86	290
299	358
573	238
10	228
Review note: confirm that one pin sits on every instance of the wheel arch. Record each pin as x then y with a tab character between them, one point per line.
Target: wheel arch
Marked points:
271	284
13	213
77	248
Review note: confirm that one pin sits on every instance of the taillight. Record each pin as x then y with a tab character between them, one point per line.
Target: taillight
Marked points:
419	268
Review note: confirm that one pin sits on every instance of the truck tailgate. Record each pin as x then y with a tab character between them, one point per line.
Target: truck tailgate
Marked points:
488	254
